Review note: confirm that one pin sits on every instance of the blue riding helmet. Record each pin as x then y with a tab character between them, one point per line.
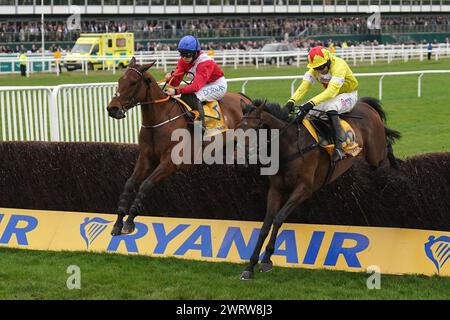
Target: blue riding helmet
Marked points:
189	44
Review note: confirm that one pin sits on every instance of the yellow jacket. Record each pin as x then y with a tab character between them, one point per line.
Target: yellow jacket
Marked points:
339	79
57	56
332	49
23	59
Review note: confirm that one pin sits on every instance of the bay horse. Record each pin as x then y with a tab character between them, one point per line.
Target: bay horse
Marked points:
161	115
305	166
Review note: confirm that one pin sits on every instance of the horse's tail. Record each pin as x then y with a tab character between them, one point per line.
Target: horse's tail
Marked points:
391	135
376	104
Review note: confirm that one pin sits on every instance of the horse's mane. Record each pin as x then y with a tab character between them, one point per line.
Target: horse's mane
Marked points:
146	73
274	109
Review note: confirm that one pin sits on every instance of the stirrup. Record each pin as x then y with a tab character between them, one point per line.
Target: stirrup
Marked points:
338	155
200	125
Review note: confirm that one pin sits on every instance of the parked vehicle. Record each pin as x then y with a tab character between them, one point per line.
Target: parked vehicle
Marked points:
277	48
92	45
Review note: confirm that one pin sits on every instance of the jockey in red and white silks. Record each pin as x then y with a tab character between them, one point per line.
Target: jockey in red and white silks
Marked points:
208	83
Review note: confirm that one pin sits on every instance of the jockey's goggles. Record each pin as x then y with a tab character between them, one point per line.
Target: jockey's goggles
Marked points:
186	54
320	68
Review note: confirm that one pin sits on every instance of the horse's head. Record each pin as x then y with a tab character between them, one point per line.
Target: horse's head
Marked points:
263	115
132	89
251	122
252	116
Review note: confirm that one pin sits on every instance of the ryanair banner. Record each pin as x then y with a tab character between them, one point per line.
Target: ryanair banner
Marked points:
393	251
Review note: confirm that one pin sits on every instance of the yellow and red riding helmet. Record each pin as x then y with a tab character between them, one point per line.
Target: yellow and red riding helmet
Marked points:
318	56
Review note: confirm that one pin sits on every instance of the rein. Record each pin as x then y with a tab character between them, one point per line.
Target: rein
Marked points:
134	103
301	151
164	122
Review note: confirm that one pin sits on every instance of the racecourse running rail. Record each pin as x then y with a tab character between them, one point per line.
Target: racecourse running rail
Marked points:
235	58
77	112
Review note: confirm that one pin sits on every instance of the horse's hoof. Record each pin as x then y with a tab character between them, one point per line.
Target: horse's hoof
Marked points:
116	231
128	228
247	275
266	266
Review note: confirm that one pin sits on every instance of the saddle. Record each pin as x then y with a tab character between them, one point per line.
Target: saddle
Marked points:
322	132
214	119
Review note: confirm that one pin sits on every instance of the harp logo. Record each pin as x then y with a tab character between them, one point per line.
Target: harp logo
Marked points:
90	229
438	251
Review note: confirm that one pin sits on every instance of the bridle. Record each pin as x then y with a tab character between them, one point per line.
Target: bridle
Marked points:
246	117
132	101
261	123
301	151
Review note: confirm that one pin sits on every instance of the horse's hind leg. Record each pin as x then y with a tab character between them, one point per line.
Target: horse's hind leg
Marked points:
274	199
164	169
300	194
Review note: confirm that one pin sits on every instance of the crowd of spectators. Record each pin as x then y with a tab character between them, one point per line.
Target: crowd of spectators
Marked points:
256	45
206	46
280	27
34	49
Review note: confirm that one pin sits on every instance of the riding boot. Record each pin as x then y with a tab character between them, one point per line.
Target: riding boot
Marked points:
201	111
339	153
192	100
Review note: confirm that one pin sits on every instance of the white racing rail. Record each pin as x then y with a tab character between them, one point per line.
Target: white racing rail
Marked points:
77	112
235	58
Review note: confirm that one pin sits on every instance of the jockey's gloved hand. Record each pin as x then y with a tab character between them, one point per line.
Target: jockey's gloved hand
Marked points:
168	76
290	105
306	107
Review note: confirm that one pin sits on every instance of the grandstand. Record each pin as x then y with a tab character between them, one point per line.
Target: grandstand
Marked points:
128	7
224	24
226	28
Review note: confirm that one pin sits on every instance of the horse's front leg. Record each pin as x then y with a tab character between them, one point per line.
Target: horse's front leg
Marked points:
163	170
274	199
141	171
124	202
300	194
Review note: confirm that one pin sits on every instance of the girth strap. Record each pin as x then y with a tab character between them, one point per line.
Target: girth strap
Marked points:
330	172
299	153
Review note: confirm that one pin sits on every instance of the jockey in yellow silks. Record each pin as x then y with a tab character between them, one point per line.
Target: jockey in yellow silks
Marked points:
340	94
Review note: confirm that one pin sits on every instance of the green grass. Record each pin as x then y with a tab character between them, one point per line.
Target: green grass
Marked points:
47	79
27	274
425	126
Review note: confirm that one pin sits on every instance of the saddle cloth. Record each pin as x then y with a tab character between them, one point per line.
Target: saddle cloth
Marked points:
214	119
350	146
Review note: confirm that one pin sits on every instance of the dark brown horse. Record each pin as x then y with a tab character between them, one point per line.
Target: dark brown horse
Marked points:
305	167
161	115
